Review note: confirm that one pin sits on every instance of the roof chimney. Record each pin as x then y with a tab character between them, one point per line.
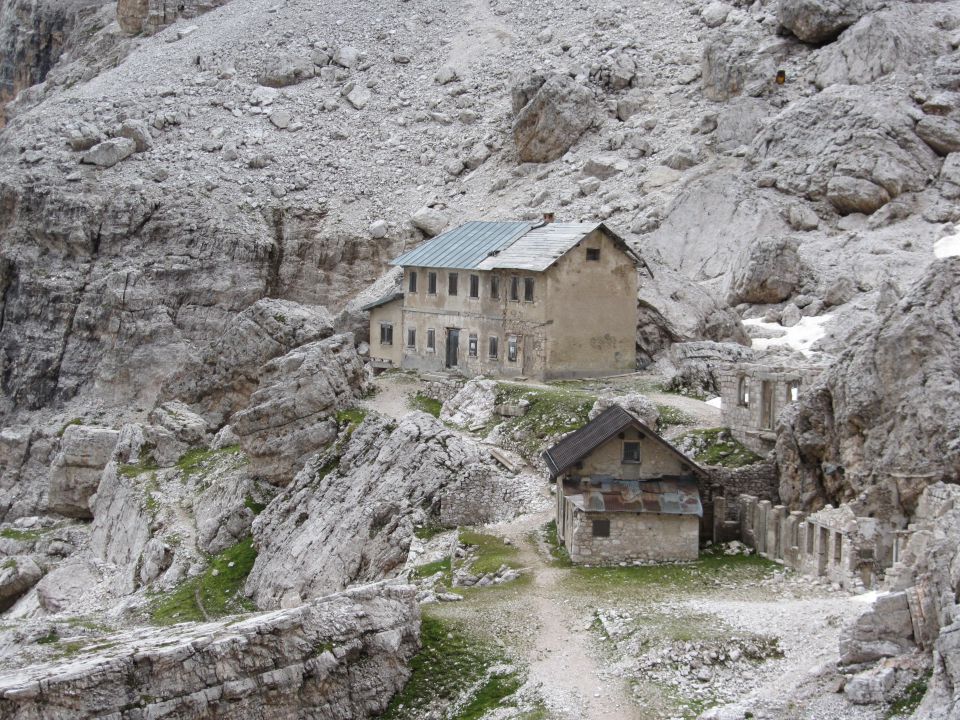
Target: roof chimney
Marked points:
548	217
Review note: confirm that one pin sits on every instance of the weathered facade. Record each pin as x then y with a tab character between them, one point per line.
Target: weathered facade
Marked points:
552	300
753	395
624	494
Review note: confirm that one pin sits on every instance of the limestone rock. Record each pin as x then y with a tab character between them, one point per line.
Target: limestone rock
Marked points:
550	114
871	686
430	220
64	586
75	475
137	131
638	404
346	56
290	416
715	14
473	404
109	152
739	122
349	515
18	574
819	21
604	166
940	133
854	195
286	70
345	653
885	630
769	271
121	525
736	62
149	16
220	380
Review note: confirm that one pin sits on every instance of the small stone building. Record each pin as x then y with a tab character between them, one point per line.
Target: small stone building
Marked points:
517	299
625	494
752	396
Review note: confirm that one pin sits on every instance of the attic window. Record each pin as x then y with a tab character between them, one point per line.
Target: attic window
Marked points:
600	528
593	254
631	453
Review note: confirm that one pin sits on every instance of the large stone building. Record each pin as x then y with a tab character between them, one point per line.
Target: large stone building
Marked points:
543	300
625	494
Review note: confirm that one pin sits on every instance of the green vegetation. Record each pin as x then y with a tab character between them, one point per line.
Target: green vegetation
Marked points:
426	532
553	411
423	571
75	421
716	446
489	552
452	669
215	593
199	460
9	564
50	638
25	535
909	700
561	558
351	417
426	404
670	415
255	507
146	463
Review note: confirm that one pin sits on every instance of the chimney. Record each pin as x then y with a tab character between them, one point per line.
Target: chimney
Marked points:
548	217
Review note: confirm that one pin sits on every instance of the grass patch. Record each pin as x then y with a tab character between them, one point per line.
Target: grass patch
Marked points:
909	700
350	417
716	446
424	571
451	671
553	411
145	463
199	460
255	507
49	639
671	416
24	535
9	564
426	404
428	532
489	552
75	421
215	593
559	554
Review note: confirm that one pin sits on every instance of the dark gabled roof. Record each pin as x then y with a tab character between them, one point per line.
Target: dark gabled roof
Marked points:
389	298
577	445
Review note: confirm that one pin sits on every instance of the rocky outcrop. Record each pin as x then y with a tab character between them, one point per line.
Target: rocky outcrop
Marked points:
341	656
551	112
17	575
84	452
638	404
819	21
348	516
221	379
769	271
473	405
883	418
291	415
149	16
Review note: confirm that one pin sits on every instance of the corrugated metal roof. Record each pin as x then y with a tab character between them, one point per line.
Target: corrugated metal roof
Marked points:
604	426
667	496
464	247
382	301
540	248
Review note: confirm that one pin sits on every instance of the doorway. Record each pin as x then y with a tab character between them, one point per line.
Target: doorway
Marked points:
768	410
453	346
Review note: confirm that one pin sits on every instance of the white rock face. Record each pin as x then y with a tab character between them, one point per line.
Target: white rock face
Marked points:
17	575
430	220
290	416
84	452
350	520
472	405
63	587
636	403
345	653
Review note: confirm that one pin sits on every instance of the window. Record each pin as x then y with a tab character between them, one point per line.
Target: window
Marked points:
472	346
411	337
452	279
512	348
386	333
431	339
495	287
412	285
431	283
743	393
515	288
528	289
600	528
494	341
593	254
474	286
810	538
837	547
793	391
631	453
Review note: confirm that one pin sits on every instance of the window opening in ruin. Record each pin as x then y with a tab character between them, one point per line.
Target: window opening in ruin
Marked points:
512	348
412	285
837	547
472	346
495	287
743	393
494	341
593	254
411	337
528	289
809	538
452	279
431	283
793	391
474	286
600	528
768	413
431	339
631	452
386	333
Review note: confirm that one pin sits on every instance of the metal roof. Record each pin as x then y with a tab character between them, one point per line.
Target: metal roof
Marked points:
540	248
382	301
464	247
667	496
575	446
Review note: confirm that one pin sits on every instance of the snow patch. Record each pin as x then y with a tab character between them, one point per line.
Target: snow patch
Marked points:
715	402
947	247
800	337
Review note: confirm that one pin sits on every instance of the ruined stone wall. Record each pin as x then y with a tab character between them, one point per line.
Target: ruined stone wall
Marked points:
759	479
490	498
342	656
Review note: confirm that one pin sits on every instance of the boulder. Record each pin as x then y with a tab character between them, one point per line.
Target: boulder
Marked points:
109	152
291	415
854	195
551	112
75	475
639	405
18	574
137	131
430	221
940	133
346	56
604	166
473	405
739	61
871	686
121	526
819	21
715	14
66	585
885	630
768	272
284	70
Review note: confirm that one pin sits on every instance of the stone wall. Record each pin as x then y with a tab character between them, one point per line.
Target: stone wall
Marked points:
342	656
742	405
759	479
490	498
